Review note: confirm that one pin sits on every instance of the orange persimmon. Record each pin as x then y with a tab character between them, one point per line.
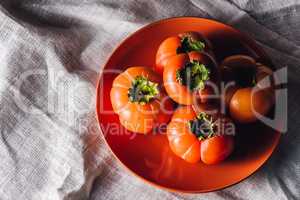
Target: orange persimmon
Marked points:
251	96
186	78
195	137
139	100
187	43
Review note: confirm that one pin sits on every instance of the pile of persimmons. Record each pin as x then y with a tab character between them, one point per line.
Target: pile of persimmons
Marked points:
183	91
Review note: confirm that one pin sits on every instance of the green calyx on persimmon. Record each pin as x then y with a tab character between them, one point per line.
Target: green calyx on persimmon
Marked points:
142	90
202	127
193	75
188	45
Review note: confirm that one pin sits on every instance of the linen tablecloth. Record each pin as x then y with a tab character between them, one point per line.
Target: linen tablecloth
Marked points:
51	55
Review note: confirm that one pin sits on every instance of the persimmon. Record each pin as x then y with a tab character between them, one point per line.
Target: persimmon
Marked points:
195	137
139	100
246	104
187	80
216	149
251	96
186	43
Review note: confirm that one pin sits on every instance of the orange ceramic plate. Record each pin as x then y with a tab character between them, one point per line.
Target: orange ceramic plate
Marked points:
149	157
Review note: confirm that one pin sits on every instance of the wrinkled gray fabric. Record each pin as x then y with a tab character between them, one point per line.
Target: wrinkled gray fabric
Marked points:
51	55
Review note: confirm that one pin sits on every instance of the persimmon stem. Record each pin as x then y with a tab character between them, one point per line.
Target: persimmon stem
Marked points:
203	127
188	45
142	90
193	75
